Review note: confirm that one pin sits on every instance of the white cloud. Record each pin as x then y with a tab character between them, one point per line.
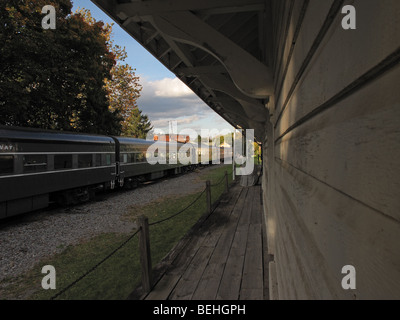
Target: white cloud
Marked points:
170	88
170	99
165	122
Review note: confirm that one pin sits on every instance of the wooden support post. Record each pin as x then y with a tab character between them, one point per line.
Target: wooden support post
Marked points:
208	193
226	182
145	255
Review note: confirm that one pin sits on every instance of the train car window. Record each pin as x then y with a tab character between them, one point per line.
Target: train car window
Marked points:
124	158
140	157
108	159
98	160
35	163
6	164
62	161
155	155
85	161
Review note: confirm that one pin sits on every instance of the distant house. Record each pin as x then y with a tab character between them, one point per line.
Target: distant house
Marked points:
172	137
225	145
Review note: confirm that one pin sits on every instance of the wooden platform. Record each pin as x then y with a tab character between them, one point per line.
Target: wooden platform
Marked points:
224	257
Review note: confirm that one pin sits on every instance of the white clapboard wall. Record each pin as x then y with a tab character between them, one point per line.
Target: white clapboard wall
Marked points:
332	151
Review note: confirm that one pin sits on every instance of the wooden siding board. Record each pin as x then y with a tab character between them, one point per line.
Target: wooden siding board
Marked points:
344	56
355	146
331	231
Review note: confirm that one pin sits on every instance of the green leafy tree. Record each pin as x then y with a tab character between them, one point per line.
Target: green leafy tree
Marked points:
54	79
138	125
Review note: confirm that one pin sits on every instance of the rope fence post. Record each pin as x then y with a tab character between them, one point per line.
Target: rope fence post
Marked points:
144	240
208	194
145	255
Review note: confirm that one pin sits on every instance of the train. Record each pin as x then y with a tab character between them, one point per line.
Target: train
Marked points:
38	167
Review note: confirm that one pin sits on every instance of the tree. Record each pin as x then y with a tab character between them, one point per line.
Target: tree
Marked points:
138	125
228	139
123	87
54	79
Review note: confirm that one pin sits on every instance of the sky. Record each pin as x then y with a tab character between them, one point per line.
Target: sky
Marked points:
164	97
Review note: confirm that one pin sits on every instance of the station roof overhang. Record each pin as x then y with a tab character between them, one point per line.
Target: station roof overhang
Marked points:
221	49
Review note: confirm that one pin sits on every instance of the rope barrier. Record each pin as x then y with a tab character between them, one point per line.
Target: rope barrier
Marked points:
178	213
130	238
95	267
222	179
219	182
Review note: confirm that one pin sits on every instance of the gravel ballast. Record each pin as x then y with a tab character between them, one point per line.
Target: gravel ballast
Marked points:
42	234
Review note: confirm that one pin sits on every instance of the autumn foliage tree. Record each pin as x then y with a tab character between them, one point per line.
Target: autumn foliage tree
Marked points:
53	79
70	78
123	87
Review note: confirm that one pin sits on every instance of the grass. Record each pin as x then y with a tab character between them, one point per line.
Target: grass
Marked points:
165	235
217	180
111	280
120	274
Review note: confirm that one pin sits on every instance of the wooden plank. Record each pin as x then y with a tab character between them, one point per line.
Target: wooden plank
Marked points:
267	258
232	276
253	277
209	283
310	28
289	43
188	282
219	237
220	218
164	287
201	236
197	272
251	294
245	213
336	231
175	268
256	210
190	262
204	235
349	148
282	27
230	282
338	57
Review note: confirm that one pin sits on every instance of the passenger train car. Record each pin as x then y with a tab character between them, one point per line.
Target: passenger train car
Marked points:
37	166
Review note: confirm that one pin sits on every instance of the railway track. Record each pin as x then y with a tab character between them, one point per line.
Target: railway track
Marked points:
101	196
28	239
